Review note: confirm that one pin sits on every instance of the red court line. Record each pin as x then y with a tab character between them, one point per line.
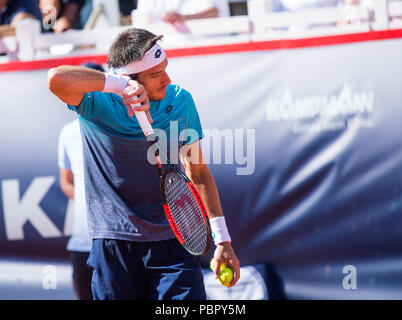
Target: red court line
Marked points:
216	49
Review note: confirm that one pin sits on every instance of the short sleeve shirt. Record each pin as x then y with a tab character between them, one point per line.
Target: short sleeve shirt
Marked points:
121	184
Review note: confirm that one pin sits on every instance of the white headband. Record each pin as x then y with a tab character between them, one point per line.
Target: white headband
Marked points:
152	57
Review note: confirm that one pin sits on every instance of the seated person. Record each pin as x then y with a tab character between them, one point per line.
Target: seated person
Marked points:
64	15
13	11
176	12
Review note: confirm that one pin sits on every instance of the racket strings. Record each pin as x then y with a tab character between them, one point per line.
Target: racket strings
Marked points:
186	213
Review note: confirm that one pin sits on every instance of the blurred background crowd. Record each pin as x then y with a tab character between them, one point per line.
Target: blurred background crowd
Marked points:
61	15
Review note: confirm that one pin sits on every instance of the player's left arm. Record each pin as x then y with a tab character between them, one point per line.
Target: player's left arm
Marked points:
198	172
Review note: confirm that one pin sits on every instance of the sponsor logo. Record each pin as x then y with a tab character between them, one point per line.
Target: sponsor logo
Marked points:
323	113
158	53
168	109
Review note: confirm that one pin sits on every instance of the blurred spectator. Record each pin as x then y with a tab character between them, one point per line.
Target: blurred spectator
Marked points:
13	11
71	165
61	15
70	161
176	12
349	11
125	7
287	5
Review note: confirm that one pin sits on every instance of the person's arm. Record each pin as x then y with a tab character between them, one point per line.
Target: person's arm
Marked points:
21	16
173	17
7	31
70	13
67	182
70	83
198	172
24	10
207	13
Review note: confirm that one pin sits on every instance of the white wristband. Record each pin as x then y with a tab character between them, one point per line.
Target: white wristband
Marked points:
115	83
219	230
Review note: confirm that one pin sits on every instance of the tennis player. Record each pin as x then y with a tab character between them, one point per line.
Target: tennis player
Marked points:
135	254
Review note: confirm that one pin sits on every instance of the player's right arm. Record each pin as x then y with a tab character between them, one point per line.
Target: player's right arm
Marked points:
69	83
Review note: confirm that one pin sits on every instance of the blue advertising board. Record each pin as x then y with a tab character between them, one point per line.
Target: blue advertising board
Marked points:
304	145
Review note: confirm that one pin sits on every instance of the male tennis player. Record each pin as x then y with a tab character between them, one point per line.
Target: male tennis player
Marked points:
135	254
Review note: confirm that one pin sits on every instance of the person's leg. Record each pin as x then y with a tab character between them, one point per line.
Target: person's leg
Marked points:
173	273
116	274
82	275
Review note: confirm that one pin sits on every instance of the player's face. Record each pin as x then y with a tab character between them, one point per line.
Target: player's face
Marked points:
155	81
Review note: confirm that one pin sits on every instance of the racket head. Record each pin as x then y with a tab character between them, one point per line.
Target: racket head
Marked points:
186	212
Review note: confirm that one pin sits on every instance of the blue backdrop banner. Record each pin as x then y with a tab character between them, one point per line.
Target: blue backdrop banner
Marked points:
304	145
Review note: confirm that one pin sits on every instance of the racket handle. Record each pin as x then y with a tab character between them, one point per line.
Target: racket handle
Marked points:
144	122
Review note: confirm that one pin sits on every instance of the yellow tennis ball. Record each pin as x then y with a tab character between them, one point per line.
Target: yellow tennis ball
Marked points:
225	273
212	264
226	276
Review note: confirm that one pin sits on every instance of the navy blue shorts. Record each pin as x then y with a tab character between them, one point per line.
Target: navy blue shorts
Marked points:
160	270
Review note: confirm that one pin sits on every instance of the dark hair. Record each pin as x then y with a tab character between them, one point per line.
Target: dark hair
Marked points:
130	45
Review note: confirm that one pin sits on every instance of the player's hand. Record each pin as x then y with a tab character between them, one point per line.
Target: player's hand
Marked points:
173	18
224	253
134	94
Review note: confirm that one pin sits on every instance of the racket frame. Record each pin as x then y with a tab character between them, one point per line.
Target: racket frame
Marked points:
197	199
149	134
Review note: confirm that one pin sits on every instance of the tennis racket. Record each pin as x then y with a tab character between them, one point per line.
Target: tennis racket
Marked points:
180	199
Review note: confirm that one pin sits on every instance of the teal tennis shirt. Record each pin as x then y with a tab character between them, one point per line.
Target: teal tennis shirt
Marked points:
121	185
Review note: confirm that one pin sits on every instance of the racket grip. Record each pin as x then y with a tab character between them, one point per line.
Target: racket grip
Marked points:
144	122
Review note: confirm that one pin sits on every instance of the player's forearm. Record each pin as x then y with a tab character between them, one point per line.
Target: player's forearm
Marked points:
69	83
206	186
208	191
